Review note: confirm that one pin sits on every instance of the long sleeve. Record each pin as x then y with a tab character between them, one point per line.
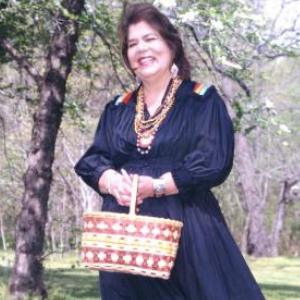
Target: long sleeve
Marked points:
210	161
97	158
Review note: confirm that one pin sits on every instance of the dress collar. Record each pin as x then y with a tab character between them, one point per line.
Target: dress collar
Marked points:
185	89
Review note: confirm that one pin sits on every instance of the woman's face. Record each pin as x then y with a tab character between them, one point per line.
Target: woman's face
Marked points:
148	53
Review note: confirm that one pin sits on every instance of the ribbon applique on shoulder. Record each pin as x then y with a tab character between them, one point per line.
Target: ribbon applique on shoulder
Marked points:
200	88
124	98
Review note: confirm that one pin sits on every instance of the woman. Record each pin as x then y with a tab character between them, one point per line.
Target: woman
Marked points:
179	139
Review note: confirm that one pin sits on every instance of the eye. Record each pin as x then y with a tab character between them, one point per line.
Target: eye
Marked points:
130	45
150	39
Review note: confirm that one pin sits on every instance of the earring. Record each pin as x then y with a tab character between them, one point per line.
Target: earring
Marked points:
174	71
137	81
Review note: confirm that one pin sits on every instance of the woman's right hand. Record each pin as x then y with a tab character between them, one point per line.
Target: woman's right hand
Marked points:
120	188
118	185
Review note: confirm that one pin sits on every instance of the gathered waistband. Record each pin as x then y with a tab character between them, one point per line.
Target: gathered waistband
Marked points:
149	166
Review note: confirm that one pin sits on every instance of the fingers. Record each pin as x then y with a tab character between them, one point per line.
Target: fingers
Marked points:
127	182
145	187
117	190
126	176
123	197
139	200
123	188
123	201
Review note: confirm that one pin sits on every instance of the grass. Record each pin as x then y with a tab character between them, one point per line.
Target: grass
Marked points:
278	277
64	277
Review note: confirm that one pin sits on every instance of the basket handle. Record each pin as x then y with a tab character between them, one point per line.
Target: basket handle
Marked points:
132	209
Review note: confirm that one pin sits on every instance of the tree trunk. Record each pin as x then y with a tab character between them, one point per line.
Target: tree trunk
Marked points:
27	275
255	238
51	233
4	246
286	196
256	235
77	225
277	227
53	240
62	230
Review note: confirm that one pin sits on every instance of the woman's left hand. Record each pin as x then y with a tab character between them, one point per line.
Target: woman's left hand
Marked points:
145	188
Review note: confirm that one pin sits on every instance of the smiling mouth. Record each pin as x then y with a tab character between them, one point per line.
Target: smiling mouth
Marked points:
145	60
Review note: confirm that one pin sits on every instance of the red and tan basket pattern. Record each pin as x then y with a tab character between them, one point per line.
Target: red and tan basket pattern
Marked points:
130	244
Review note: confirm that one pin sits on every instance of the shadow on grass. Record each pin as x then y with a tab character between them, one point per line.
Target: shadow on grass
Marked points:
281	291
80	284
62	284
4	282
76	283
4	274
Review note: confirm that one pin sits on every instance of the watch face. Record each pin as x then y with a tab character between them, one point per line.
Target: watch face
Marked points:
159	187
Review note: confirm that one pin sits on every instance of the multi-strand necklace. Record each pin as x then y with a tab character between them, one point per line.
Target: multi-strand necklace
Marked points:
147	128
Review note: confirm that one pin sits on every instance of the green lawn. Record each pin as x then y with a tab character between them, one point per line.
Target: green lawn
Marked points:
278	277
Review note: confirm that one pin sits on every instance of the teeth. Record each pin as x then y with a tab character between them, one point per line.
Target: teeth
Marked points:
146	59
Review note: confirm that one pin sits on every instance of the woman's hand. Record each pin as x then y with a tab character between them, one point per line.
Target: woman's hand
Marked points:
120	188
145	188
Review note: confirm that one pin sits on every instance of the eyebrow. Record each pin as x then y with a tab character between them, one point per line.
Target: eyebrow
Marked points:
144	36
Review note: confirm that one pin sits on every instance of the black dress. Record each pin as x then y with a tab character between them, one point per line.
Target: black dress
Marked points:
195	142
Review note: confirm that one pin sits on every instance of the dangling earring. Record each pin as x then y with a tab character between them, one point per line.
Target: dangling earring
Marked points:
174	71
137	81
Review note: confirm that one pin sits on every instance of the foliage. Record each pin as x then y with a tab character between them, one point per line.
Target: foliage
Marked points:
28	24
233	40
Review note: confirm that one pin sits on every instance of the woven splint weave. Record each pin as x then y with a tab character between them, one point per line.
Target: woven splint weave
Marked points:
128	243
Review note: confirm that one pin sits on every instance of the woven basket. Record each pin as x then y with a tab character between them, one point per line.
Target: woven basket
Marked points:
132	244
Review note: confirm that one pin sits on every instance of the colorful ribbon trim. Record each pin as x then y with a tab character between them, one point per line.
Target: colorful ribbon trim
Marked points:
200	89
124	98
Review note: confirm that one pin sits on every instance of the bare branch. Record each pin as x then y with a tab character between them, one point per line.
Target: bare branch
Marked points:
22	61
112	56
290	29
2	123
241	83
69	187
277	16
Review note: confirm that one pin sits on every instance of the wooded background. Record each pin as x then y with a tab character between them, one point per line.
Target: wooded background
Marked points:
60	63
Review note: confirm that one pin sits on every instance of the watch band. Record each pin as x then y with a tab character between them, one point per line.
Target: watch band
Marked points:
159	187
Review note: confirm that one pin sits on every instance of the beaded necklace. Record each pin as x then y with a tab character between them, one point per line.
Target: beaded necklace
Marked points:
147	128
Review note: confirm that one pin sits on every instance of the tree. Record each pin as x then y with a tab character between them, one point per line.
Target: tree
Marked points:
27	276
226	43
230	40
290	191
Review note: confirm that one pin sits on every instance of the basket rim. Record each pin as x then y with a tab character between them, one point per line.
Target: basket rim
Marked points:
128	217
116	268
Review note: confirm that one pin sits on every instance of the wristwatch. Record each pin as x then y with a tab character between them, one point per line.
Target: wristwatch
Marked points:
159	187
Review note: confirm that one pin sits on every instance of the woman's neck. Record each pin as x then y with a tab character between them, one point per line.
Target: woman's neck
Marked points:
154	92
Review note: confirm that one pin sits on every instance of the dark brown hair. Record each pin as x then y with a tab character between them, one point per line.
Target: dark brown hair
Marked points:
135	13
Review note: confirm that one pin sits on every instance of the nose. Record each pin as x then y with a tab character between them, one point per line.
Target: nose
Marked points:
142	46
